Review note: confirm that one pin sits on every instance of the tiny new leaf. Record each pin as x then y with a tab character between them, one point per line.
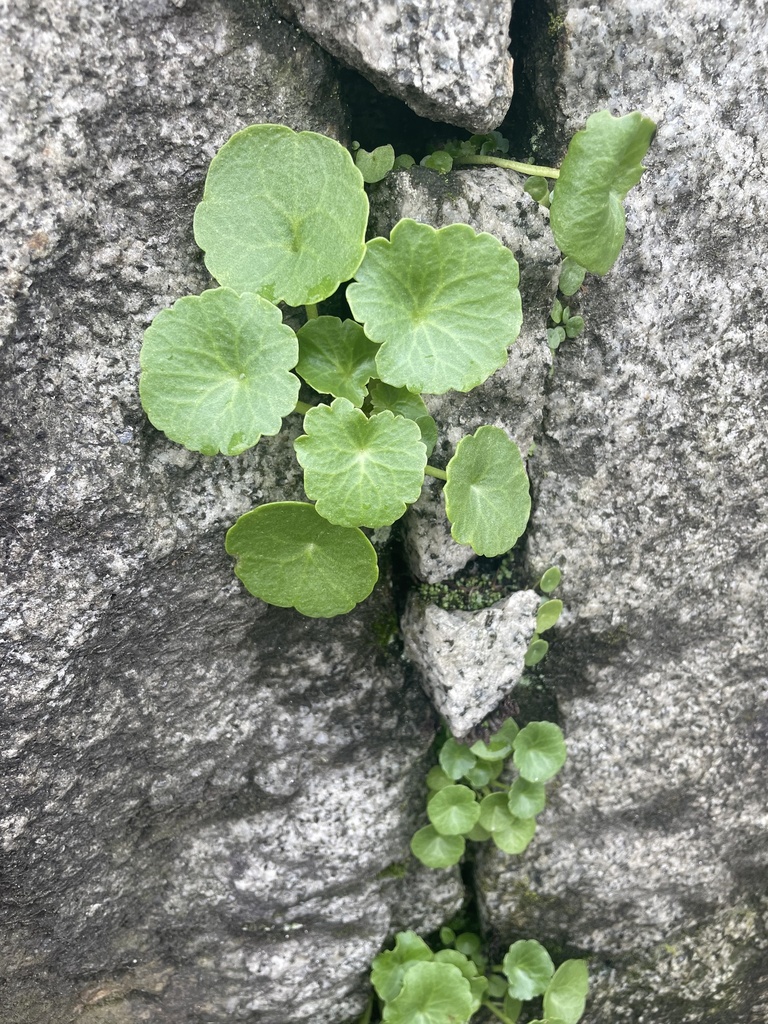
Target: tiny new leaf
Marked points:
443	304
336	358
360	471
216	371
290	556
375	165
487	498
283	214
601	166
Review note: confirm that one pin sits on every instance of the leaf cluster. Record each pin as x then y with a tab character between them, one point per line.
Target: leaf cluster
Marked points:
469	801
415	985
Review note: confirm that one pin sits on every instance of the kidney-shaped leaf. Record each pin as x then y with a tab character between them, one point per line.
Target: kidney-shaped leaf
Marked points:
215	371
540	751
453	810
290	556
388	968
361	472
566	994
529	968
443	304
487	498
283	214
432	993
436	851
601	166
336	358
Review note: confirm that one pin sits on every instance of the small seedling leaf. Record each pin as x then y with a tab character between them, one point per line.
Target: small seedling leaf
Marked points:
436	851
283	214
375	165
537	650
447	935
216	371
360	471
538	189
566	994
512	1008
516	837
290	556
443	304
574	327
437	779
403	162
487	497
548	614
453	810
439	161
403	402
497	986
431	993
540	751
478	834
550	580
336	358
455	759
571	276
483	773
494	812
529	968
601	166
556	313
389	967
526	799
555	337
468	943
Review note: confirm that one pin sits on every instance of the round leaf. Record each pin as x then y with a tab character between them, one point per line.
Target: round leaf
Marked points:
548	614
550	580
453	810
478	834
566	994
283	214
529	968
290	556
375	165
601	166
443	304
389	967
487	498
336	358
437	851
516	837
538	189
512	1008
360	471
437	779
439	161
455	759
402	402
494	812
526	799
432	993
477	984
571	276
215	371
540	751
483	773
537	649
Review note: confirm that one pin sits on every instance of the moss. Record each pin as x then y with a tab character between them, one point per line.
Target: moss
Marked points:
483	583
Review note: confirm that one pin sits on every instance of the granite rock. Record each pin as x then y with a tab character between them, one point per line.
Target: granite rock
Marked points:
446	59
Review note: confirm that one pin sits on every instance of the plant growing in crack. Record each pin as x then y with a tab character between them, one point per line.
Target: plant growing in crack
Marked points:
283	220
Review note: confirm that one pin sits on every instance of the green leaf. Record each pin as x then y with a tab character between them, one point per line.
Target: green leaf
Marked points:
443	304
550	580
283	214
512	1008
556	313
437	779
566	995
290	556
477	984
360	471
516	836
403	162
216	371
436	851
529	968
537	650
497	748
555	337
375	165
447	935
538	189
453	810
389	967
468	943
571	276
574	327
478	834
526	799
601	166
494	812
497	986
455	759
336	358
402	402
548	614
540	751
487	497
439	161
432	993
483	773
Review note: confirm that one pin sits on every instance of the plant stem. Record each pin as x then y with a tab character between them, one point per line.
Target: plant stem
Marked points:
497	1013
438	474
513	165
311	311
366	1015
303	408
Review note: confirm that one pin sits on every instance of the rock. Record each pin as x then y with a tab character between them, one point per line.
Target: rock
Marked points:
447	60
469	661
207	803
650	486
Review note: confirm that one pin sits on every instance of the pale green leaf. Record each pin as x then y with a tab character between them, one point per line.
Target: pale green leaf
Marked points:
283	214
571	276
215	371
537	650
487	498
453	810
375	165
494	812
289	556
389	967
336	358
550	580
437	851
360	471
529	968
403	402
516	836
443	304
548	614
540	751
455	759
431	993
437	779
526	799
566	994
